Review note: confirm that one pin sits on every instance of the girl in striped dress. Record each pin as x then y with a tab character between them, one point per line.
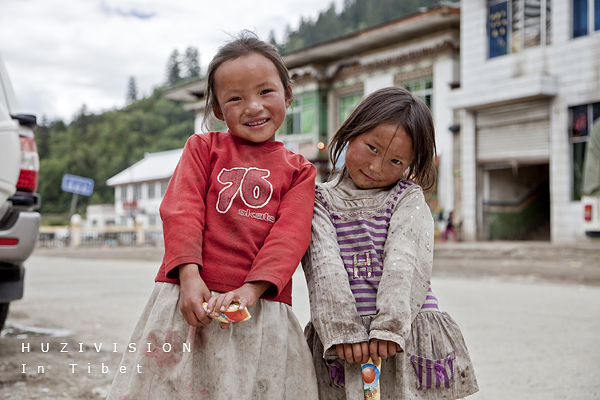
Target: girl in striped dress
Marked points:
368	267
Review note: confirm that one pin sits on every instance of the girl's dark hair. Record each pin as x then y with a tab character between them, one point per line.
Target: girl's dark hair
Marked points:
247	42
396	106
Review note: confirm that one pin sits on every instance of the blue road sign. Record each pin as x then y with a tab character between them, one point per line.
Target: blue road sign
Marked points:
77	184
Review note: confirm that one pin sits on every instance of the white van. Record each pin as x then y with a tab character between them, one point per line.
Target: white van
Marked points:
19	168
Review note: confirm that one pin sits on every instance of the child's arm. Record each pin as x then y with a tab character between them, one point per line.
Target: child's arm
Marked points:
183	209
282	250
408	260
193	293
332	305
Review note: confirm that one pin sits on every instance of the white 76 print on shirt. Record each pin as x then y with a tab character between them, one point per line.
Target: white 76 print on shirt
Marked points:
251	184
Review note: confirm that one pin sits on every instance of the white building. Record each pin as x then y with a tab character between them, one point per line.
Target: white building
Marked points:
513	86
529	89
140	188
100	215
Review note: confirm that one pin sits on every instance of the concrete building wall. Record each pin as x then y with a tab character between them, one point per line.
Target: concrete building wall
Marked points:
445	71
468	213
567	71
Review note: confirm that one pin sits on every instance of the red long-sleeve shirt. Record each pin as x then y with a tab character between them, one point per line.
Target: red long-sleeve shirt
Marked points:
240	210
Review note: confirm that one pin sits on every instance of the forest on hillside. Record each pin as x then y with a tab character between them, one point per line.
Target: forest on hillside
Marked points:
355	15
99	146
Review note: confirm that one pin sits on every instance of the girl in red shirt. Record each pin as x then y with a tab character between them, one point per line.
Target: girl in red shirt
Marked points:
236	219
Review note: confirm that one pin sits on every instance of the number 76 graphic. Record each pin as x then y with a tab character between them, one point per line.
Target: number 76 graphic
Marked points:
251	184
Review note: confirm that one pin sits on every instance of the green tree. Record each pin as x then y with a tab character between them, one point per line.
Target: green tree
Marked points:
100	146
174	69
273	39
131	90
356	15
192	64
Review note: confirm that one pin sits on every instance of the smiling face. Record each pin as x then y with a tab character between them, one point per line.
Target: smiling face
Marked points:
251	97
379	157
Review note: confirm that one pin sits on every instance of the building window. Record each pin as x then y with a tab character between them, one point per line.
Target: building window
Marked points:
300	117
123	190
586	17
422	88
514	25
346	104
137	192
581	119
151	190
163	188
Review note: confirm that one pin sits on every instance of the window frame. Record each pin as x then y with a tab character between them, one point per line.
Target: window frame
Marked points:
510	29
301	108
163	188
123	192
151	190
578	143
137	191
590	23
342	114
425	93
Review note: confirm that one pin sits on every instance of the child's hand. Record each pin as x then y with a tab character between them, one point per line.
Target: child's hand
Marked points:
193	293
353	352
246	296
382	348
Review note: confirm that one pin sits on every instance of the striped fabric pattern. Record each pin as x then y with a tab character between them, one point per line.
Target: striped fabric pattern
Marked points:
361	237
434	373
431	302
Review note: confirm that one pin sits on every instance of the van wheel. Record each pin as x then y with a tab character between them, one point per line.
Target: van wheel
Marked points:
3	313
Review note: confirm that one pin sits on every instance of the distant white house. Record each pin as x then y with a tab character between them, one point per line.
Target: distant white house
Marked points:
140	188
100	215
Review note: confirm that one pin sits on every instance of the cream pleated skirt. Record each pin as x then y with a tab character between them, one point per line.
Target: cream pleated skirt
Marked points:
266	357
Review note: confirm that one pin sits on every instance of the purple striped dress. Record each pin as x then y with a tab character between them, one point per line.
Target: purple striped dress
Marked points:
362	242
368	270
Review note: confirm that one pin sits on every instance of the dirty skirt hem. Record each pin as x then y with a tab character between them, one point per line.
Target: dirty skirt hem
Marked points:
265	357
434	366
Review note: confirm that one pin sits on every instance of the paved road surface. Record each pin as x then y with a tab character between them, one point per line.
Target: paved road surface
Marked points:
532	335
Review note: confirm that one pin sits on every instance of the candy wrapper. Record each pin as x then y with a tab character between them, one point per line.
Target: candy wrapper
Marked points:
232	314
370	373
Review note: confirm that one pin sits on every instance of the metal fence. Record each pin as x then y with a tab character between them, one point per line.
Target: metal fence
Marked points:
112	236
